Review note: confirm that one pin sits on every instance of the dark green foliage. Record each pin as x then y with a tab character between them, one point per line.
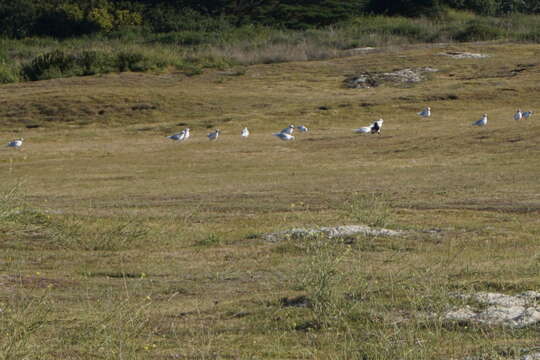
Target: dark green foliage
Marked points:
17	18
483	7
405	7
63	22
68	18
478	31
410	30
532	36
188	38
304	14
132	61
166	18
94	62
58	64
46	66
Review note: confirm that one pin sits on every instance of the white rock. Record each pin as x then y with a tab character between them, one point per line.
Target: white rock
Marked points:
515	311
464	55
532	356
332	232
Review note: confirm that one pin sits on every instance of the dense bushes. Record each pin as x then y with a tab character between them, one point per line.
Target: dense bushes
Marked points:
58	64
478	31
412	8
63	18
68	18
216	42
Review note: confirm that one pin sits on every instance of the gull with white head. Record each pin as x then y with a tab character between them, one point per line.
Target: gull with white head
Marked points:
518	115
17	143
181	136
375	127
426	112
302	128
481	122
288	130
245	132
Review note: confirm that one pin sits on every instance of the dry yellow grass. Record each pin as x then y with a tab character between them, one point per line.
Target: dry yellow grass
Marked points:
145	248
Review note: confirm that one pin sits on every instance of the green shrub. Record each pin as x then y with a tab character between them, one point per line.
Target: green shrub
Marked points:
128	33
57	64
49	65
127	18
8	73
483	7
531	36
102	19
95	62
479	31
412	8
412	31
189	38
132	61
163	18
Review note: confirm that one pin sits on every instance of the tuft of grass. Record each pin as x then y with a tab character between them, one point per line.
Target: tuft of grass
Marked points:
372	209
97	234
72	232
320	279
22	319
212	239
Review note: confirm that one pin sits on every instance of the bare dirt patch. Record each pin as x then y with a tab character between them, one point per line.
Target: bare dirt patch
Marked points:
34	282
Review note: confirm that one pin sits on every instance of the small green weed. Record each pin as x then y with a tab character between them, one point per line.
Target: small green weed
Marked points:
211	239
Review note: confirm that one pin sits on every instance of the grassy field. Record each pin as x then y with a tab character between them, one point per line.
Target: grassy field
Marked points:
117	243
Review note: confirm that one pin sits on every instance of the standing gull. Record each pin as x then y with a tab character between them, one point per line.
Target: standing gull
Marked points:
214	135
245	132
518	115
481	122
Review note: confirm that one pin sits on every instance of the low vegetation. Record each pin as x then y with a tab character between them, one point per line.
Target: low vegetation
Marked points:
224	45
116	242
